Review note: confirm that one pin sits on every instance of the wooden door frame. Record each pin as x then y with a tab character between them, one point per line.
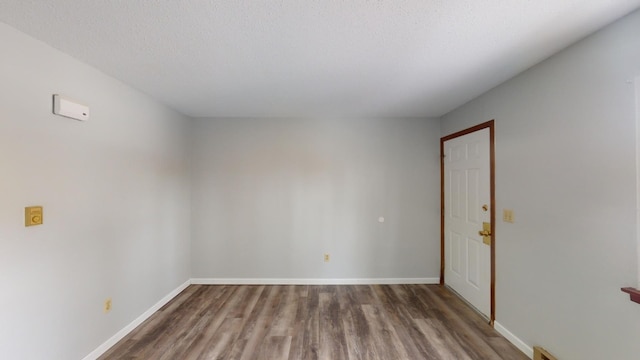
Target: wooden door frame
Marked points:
492	181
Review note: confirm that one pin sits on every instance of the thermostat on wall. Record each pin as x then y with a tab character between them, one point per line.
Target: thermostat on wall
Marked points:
64	106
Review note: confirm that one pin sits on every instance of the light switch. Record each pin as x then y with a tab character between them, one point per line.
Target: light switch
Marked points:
507	215
33	215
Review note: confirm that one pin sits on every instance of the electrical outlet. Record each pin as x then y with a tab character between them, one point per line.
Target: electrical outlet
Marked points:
326	258
107	305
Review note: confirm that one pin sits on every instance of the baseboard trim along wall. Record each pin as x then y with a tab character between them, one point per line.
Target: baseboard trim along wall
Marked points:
514	339
127	329
377	281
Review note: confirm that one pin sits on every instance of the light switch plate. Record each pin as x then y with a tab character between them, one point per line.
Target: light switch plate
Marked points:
507	215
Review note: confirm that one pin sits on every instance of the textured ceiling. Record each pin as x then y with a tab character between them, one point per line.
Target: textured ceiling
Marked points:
208	58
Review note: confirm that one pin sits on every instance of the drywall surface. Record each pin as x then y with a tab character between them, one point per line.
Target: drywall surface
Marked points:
565	164
271	196
115	192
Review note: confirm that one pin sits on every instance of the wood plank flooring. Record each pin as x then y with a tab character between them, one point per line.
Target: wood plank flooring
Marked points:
288	322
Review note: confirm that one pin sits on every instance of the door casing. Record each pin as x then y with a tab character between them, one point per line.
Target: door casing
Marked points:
489	124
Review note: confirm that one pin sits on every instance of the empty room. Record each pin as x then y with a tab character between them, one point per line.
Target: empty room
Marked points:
208	179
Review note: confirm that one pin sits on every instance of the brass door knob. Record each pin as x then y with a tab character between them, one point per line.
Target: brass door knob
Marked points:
485	233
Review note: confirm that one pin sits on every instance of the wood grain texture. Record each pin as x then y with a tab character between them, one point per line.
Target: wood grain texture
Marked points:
300	322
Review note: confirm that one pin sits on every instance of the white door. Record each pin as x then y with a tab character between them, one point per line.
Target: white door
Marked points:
467	195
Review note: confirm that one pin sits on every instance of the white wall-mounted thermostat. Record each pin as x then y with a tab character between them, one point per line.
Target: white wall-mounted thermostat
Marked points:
64	106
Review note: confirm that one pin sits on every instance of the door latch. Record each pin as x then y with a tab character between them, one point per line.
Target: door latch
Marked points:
485	233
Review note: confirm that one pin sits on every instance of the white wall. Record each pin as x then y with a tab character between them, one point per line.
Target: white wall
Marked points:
638	173
270	197
115	192
565	148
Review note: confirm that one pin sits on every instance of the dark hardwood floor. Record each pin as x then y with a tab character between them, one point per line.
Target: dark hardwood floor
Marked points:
385	322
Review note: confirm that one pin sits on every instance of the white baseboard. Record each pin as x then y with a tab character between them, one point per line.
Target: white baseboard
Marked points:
376	281
127	329
514	339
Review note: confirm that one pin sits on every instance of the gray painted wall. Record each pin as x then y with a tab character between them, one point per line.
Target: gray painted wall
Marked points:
565	163
272	196
115	192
